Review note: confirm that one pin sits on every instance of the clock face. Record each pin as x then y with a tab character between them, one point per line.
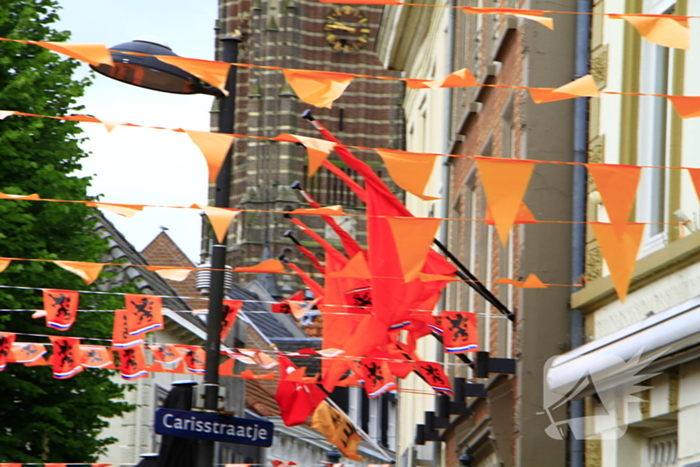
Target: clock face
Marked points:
347	29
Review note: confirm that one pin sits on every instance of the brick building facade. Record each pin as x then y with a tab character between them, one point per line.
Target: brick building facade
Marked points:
293	34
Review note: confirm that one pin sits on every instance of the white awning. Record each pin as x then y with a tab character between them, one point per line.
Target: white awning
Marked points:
658	336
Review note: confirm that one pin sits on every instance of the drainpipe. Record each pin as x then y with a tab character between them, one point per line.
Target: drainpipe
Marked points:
445	195
578	231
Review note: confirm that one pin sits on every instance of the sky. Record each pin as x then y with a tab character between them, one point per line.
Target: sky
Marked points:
139	165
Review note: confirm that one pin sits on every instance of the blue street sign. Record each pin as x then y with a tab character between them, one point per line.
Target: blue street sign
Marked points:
214	427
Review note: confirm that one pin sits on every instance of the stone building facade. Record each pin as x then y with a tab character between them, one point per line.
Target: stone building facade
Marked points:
295	34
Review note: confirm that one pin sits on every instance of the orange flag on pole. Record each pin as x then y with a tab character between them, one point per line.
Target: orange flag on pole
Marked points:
620	252
214	147
411	171
413	237
663	30
505	182
317	87
617	185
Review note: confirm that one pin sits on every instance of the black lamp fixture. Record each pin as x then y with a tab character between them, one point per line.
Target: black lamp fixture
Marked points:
148	72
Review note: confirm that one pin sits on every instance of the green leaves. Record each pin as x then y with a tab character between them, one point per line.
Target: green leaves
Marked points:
44	419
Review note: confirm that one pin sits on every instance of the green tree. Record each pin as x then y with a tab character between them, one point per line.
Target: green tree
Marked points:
43	419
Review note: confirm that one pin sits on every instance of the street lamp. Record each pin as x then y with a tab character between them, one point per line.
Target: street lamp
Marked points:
149	72
134	64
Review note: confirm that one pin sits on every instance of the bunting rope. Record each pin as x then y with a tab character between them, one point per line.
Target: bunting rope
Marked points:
105	205
284	139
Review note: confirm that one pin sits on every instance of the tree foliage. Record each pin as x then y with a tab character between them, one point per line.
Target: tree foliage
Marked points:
43	419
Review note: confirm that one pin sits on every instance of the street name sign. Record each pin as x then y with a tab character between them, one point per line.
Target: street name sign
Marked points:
214	427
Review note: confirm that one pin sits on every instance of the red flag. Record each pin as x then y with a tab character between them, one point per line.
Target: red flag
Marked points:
282	464
97	356
121	337
296	400
229	312
132	362
378	377
6	340
459	331
67	357
165	353
283	306
194	357
61	308
27	352
434	375
144	313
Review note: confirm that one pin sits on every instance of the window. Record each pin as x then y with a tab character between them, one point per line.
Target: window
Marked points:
656	77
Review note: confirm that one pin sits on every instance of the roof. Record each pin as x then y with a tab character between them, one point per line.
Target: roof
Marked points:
274	326
148	282
260	401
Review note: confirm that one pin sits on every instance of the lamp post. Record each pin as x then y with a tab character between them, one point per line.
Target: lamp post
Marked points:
149	72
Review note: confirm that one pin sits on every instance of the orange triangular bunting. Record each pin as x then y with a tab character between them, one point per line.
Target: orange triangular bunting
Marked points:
125	210
88	272
356	268
94	54
505	182
318	150
268	266
686	106
533	282
411	171
316	87
663	30
620	252
694	176
324	211
524	216
584	86
214	73
617	185
173	274
507	281
459	79
214	147
4	263
412	238
220	220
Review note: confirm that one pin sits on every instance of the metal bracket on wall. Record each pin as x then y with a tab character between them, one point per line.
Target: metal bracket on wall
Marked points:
485	365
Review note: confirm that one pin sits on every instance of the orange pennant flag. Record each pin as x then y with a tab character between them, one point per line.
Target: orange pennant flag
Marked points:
316	87
411	171
413	237
663	30
459	79
125	210
94	54
248	374
4	263
318	150
220	219
524	216
269	266
507	281
620	252
617	185
694	176
324	211
3	115
213	73
533	282
173	274
534	15
365	2
32	197
356	268
585	86
214	147
505	182
88	272
686	106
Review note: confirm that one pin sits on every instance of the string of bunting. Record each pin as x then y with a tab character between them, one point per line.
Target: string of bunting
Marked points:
274	463
321	88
